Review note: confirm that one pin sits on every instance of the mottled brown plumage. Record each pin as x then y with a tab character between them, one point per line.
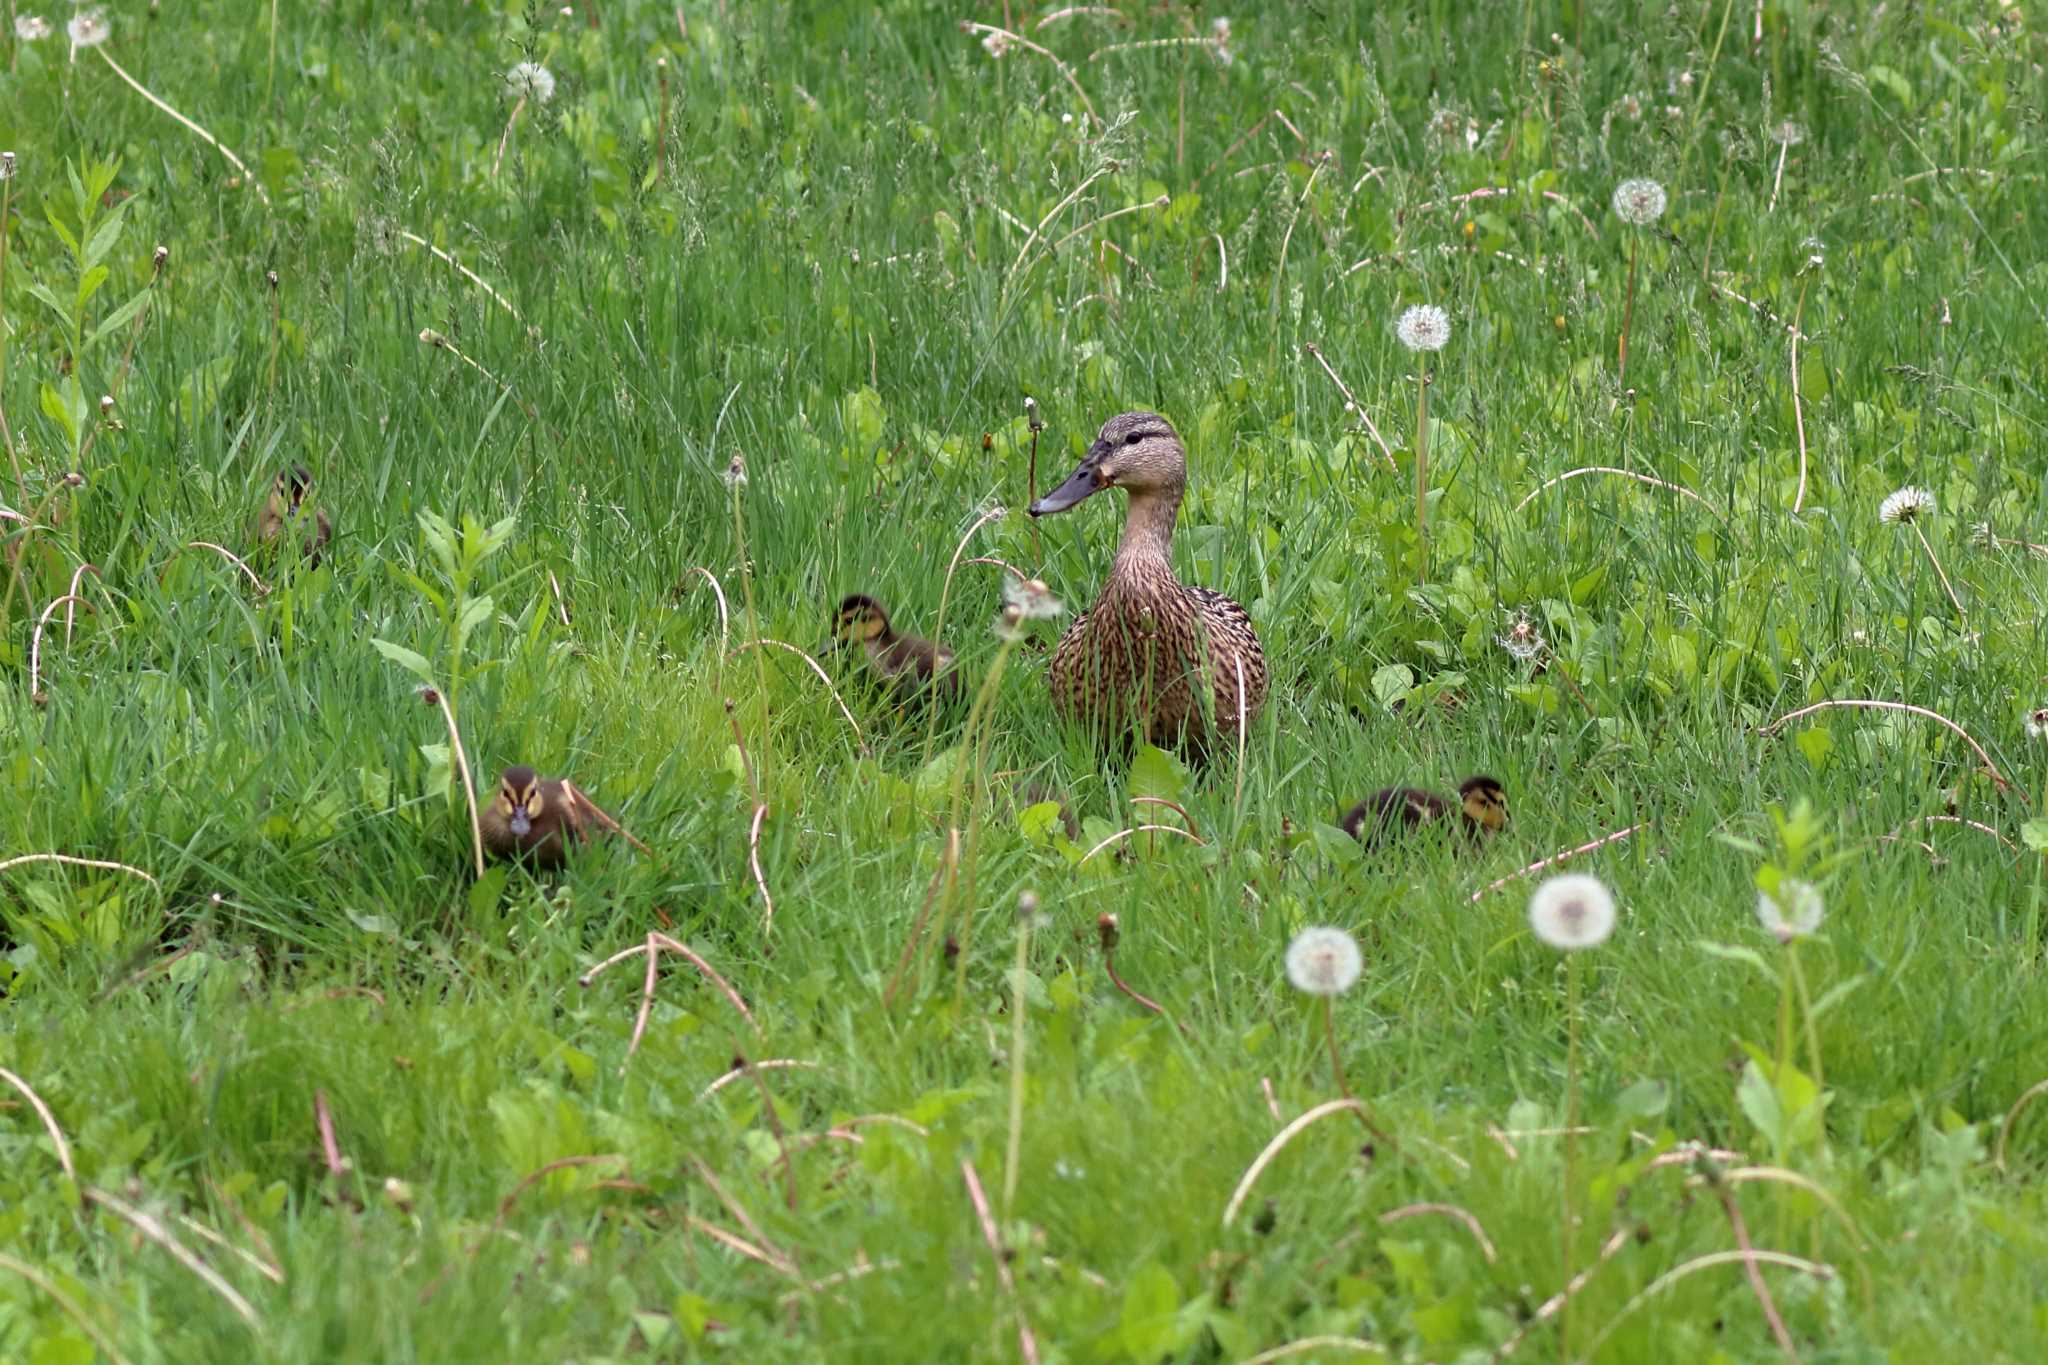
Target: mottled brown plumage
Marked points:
1393	812
288	507
1153	657
534	819
907	663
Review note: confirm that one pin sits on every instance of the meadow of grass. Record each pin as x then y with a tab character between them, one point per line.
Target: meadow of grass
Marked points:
285	1080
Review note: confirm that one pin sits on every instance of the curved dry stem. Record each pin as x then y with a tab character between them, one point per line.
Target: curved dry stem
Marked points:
1500	191
1566	856
2012	1116
225	553
1751	1259
771	1064
724	616
1027	1345
155	1231
476	827
1170	805
35	645
1280	1141
1798	410
49	1120
1977	825
1357	1345
1016	572
64	1301
1140	829
1159	203
1679	489
1554	1305
1351	404
251	181
1142	45
823	677
946	589
1031	238
1072	11
77	577
1868	704
754	862
664	943
1452	1211
1939	572
1066	72
465	272
71	861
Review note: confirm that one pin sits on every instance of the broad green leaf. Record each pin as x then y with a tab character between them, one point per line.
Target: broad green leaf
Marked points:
58	410
1816	743
119	318
55	304
475	612
103	237
1391	682
2034	833
1146	1325
1736	953
1154	772
410	660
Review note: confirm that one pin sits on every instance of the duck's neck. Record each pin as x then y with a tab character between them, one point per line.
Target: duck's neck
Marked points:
1148	531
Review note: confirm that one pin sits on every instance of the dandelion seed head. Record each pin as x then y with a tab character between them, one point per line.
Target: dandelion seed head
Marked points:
1905	505
997	45
1324	961
6	165
735	475
1632	106
530	81
1522	640
1033	600
1219	29
1788	134
1424	327
2037	723
1793	910
88	28
31	28
1639	202
1572	911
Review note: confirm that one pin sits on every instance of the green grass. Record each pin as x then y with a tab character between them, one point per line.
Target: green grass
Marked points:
826	270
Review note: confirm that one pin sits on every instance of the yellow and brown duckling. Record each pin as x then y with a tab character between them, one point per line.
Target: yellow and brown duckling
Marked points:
290	506
1167	662
1396	812
535	819
909	664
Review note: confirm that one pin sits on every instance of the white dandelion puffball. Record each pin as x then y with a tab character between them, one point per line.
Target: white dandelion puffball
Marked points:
31	28
1425	327
88	28
2037	723
996	45
1639	203
1523	641
1788	134
1324	961
530	81
1032	599
1907	504
1572	911
1794	910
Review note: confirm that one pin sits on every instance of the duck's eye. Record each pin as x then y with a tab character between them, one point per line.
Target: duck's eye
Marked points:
1134	438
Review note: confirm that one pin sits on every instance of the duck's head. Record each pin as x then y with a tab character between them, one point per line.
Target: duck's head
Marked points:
293	483
860	618
1485	804
1136	451
520	800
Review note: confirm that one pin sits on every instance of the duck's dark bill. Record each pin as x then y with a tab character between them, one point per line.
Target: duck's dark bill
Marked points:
1078	486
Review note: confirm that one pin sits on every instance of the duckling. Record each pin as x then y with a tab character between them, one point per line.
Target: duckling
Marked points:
531	817
1482	808
288	506
910	664
1172	663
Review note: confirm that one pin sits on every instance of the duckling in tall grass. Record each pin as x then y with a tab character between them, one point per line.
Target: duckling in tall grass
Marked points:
910	665
1481	809
289	506
1155	658
535	819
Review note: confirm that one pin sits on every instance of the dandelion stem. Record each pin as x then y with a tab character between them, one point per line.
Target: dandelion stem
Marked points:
1806	1013
251	181
1798	413
1015	1150
1628	311
506	137
1946	587
1571	1141
1422	477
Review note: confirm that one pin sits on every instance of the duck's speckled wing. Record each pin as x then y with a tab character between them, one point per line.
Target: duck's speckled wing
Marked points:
1232	642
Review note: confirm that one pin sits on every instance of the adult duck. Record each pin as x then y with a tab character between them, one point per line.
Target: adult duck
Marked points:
1154	658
